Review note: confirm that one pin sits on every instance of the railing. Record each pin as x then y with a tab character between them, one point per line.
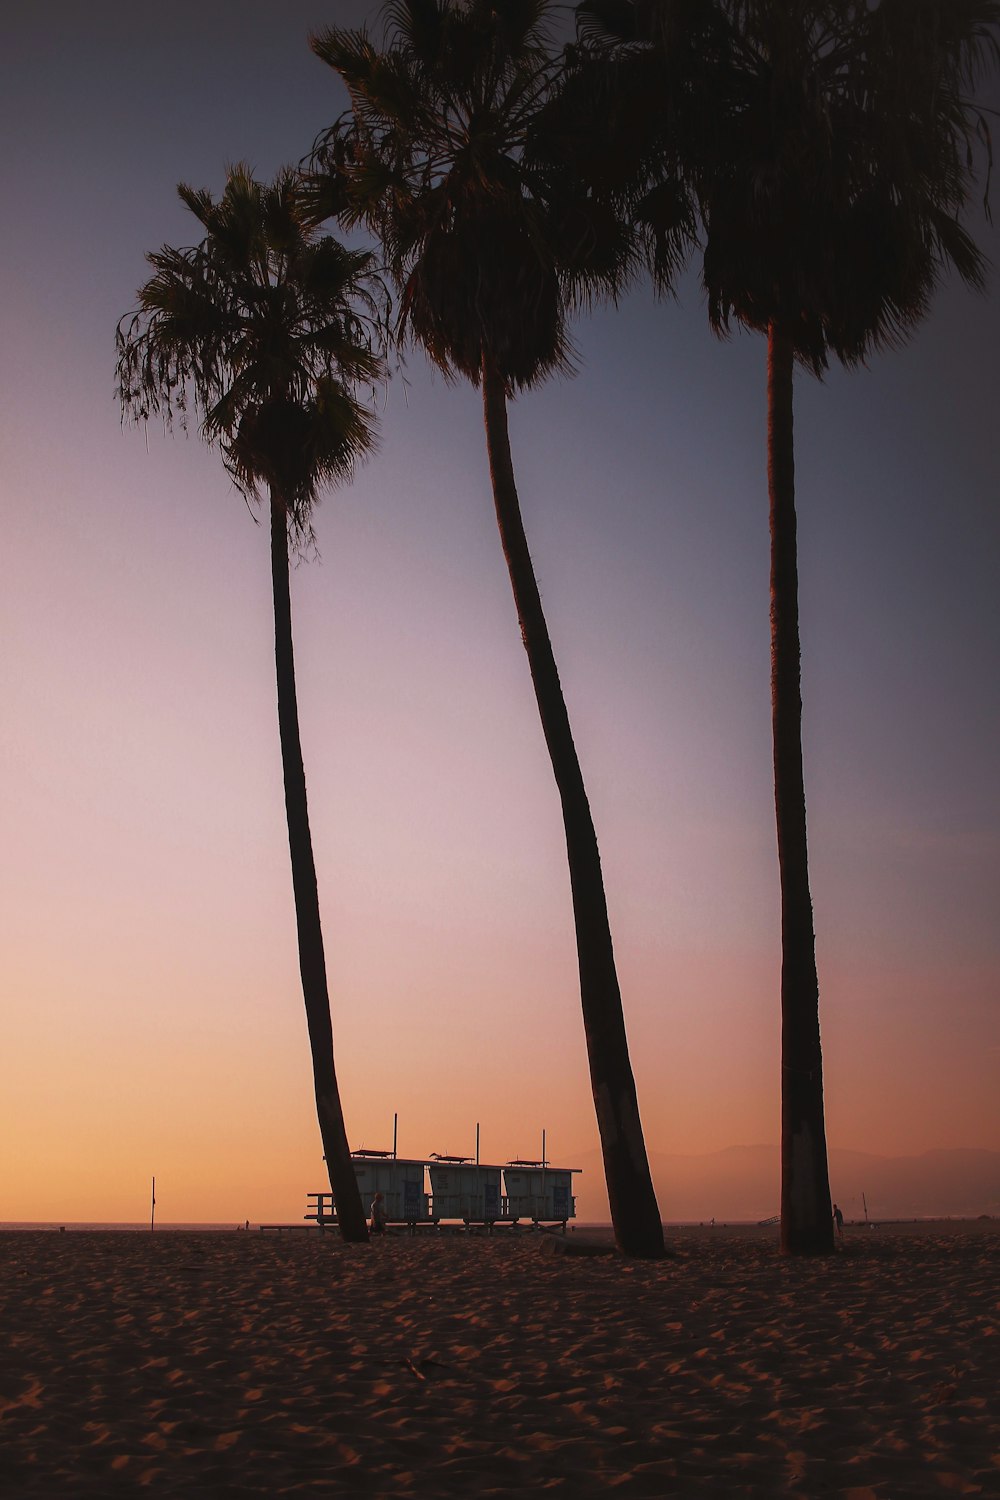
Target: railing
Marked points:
322	1211
319	1210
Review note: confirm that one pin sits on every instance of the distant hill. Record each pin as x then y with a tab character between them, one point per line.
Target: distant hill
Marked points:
742	1182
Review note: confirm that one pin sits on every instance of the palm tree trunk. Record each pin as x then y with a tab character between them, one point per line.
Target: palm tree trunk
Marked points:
312	962
806	1224
634	1211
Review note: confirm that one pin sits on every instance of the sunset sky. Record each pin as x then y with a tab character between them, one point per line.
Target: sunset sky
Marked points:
152	1016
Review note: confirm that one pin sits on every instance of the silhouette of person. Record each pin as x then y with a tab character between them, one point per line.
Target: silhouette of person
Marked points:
838	1219
378	1214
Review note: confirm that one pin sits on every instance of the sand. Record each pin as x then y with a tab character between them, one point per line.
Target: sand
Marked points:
246	1364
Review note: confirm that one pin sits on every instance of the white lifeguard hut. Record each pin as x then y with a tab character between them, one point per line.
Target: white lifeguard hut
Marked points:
461	1188
465	1189
399	1179
539	1192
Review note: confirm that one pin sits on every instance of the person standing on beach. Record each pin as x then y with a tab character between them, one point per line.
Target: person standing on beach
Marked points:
378	1214
838	1219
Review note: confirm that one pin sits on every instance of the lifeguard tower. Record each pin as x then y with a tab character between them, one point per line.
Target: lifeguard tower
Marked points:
465	1189
461	1187
539	1192
399	1179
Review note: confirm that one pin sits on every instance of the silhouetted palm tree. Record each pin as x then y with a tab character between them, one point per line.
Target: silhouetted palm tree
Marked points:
484	237
267	330
828	142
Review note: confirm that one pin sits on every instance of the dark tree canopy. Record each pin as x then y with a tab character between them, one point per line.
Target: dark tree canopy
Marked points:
268	331
830	145
447	154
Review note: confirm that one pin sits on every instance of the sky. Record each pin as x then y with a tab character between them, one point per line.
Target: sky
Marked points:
152	1017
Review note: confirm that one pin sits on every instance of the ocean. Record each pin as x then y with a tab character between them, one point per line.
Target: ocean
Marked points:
136	1228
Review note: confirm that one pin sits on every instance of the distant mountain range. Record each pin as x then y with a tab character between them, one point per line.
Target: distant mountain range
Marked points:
742	1182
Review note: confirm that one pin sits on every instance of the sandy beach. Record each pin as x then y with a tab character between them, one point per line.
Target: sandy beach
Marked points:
248	1364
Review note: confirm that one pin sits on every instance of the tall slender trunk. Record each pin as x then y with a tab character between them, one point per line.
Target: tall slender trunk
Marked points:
634	1211
806	1225
312	961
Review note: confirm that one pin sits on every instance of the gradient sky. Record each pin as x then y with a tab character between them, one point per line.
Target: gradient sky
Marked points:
152	1019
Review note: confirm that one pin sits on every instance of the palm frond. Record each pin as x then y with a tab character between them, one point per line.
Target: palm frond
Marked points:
419	25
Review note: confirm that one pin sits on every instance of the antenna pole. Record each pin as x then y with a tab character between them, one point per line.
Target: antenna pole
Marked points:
152	1208
395	1122
477	1143
543	1148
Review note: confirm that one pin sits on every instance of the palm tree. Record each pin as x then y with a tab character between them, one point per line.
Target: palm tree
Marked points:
828	142
269	330
484	237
